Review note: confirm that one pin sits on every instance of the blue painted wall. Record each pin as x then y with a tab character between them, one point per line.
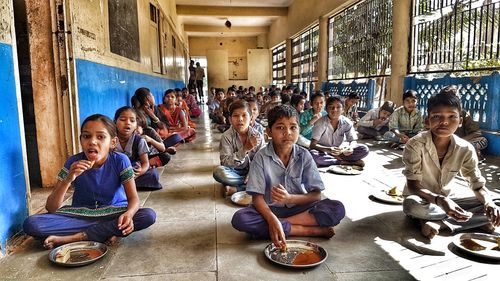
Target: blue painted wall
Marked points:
103	89
13	203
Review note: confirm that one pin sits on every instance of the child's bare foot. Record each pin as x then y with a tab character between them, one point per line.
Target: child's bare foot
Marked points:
229	190
430	229
54	240
317	231
114	240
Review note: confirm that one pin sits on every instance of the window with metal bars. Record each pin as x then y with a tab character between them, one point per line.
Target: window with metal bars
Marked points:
279	65
455	35
360	41
305	59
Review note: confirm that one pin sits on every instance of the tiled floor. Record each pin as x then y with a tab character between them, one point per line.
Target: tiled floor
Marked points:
193	239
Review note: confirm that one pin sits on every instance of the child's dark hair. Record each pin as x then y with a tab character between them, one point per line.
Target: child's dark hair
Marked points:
410	94
108	123
443	99
170	91
296	98
450	89
333	99
353	95
141	95
141	120
280	111
250	99
317	95
285	98
237	104
123	109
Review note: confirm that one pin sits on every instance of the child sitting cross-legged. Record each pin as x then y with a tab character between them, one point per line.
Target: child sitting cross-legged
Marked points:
238	146
432	159
105	202
406	121
375	122
334	138
286	188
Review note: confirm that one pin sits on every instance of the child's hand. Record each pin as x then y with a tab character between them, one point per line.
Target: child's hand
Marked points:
492	213
453	210
378	121
137	169
279	194
125	224
78	167
276	233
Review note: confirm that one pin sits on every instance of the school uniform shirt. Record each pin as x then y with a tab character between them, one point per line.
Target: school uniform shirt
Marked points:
367	120
305	127
301	176
422	164
232	151
214	106
258	127
101	186
406	122
142	148
324	133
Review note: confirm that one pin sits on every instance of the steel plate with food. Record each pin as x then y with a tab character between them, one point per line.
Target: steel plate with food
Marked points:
78	253
241	198
298	254
479	244
345	169
392	196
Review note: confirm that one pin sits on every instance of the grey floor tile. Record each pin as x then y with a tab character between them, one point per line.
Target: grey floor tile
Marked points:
190	276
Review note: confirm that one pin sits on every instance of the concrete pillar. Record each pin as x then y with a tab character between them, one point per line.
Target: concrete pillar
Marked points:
288	61
50	140
322	51
401	24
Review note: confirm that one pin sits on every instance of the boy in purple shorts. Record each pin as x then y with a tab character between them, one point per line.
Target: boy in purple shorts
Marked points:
286	188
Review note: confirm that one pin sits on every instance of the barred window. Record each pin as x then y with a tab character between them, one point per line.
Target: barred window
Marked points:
305	59
279	65
360	41
455	35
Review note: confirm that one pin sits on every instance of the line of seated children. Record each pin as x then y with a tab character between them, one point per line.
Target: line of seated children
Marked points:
432	159
469	130
272	100
180	102
237	147
375	123
333	139
105	204
158	154
286	188
231	96
190	99
406	121
351	107
176	117
309	117
136	148
144	102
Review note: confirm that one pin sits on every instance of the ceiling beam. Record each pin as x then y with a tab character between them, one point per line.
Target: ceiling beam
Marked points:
221	11
218	29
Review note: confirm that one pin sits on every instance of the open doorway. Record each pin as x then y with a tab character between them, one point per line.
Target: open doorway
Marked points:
203	64
28	107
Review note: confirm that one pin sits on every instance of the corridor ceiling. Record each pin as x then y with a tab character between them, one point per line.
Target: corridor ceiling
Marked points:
206	18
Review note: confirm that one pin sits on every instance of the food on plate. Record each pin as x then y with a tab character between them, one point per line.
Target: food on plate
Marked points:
245	200
393	191
307	257
63	255
472	244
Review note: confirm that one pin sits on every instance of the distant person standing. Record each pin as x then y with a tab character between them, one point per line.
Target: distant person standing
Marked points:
192	75
200	73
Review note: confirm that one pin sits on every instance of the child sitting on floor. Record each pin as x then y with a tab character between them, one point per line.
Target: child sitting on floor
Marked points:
310	116
238	146
286	188
176	116
333	139
374	123
406	121
135	147
298	102
254	108
351	107
158	155
432	159
105	203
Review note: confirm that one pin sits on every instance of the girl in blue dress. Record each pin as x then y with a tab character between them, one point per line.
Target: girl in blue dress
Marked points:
105	202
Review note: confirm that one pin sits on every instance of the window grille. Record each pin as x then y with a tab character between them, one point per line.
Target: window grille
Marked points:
360	41
279	65
305	59
455	35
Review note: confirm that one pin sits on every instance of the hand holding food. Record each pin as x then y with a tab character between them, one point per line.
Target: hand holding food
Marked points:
492	213
279	194
453	210
335	151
